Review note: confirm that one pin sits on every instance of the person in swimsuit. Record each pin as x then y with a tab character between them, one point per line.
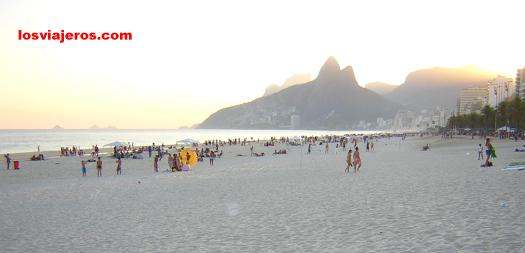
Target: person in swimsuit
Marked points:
84	170
212	156
348	161
99	167
357	160
488	152
119	166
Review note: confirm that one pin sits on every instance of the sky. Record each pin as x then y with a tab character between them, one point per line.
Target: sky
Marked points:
189	59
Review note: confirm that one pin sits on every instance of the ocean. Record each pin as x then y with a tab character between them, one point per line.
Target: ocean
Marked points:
15	141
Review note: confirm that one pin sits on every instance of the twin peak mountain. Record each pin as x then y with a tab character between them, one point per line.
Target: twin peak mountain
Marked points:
333	100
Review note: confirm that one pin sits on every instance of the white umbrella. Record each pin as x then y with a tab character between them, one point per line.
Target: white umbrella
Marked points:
187	141
296	138
116	144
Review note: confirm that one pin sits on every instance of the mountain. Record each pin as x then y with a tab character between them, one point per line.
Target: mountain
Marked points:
333	100
57	127
428	88
291	81
380	88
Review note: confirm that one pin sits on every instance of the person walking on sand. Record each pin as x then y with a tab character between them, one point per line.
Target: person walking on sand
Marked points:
156	164
357	160
480	152
490	152
326	147
348	161
119	166
83	169
7	160
99	167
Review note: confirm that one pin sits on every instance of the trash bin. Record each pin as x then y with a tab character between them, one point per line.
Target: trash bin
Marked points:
16	165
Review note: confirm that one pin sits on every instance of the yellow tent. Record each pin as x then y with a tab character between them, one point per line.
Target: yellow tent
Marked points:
183	156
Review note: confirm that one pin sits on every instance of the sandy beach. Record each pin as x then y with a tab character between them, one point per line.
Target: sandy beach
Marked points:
403	200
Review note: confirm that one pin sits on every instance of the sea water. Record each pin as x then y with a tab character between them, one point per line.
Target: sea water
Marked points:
13	141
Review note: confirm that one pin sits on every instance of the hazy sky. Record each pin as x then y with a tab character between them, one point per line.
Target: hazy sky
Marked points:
188	59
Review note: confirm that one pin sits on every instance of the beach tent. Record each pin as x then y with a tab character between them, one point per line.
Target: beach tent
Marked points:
506	129
116	144
183	156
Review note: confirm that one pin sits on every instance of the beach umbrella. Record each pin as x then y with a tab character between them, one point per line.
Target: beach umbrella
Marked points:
187	141
183	156
116	144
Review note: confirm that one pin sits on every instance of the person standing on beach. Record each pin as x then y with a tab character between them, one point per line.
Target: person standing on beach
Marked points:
326	148
119	166
309	148
83	169
480	152
357	160
156	164
348	161
7	160
490	153
99	167
212	157
149	151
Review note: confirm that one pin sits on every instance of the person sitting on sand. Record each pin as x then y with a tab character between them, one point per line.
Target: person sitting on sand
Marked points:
99	167
426	147
348	161
83	168
357	160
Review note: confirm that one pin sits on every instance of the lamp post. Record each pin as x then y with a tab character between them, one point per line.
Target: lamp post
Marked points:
495	111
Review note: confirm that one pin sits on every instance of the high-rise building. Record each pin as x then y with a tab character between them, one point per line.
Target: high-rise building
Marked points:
499	89
295	121
520	83
472	99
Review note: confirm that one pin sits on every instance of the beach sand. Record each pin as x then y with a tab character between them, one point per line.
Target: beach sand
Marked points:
403	199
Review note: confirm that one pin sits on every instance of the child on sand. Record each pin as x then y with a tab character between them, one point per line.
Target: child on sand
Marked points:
83	169
119	166
357	160
99	167
348	161
480	152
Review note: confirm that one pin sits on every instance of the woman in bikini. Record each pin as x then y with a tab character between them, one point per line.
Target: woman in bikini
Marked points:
348	161
357	160
99	167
